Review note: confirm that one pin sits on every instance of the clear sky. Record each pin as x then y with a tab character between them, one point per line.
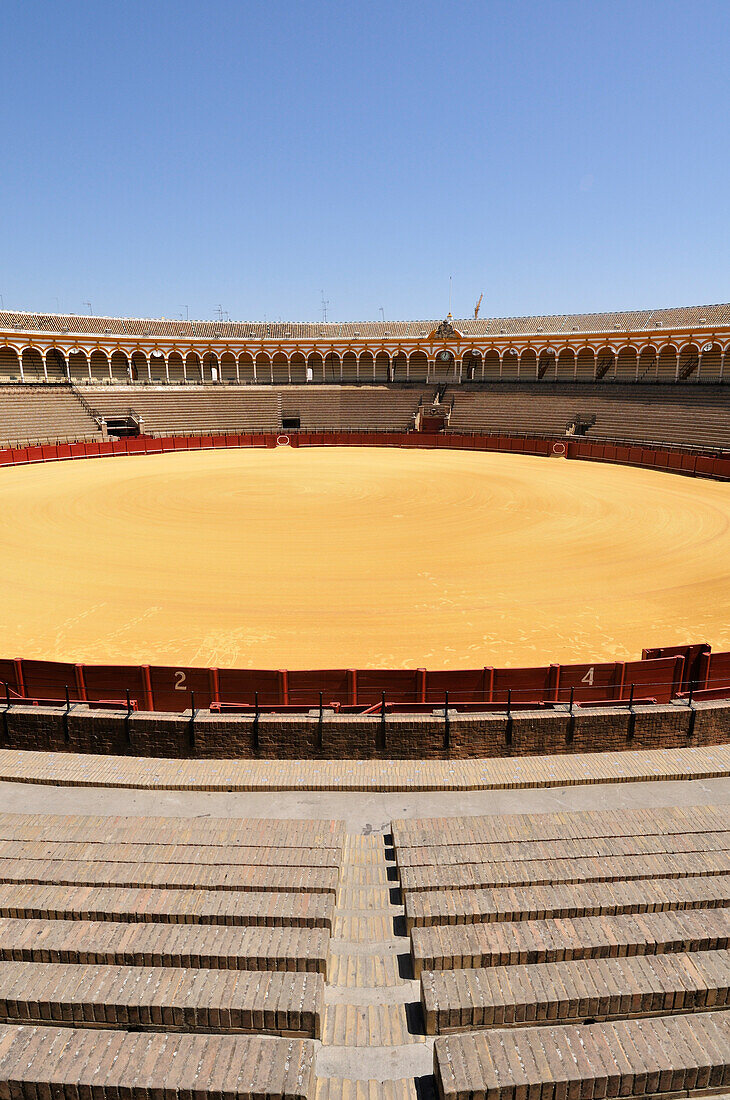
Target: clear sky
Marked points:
557	156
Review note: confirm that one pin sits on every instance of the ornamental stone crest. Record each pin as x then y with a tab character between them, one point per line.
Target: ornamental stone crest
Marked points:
446	331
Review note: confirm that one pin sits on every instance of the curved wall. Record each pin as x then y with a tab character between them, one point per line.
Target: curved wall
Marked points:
409	737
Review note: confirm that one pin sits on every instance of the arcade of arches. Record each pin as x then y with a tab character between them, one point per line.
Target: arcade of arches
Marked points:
650	363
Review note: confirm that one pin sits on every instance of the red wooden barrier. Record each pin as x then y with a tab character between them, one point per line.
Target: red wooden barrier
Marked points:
630	454
112	681
169	688
304	686
49	680
589	681
660	679
240	685
399	685
718	673
695	657
466	685
8	675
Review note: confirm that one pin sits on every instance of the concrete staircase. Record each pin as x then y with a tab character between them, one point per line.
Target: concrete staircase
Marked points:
373	1037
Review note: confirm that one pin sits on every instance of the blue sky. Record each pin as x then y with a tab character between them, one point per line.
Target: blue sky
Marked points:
555	155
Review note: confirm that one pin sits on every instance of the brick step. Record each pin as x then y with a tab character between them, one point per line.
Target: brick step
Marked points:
368	928
176	876
566	991
355	898
66	1062
372	1025
180	945
546	871
450	947
167	906
629	1058
364	874
362	971
157	997
225	831
196	854
427	832
342	1088
429	907
440	855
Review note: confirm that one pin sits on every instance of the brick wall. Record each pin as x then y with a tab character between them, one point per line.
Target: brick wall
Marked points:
413	737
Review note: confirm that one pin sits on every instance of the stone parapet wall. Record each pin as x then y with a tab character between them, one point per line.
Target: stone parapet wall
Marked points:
409	737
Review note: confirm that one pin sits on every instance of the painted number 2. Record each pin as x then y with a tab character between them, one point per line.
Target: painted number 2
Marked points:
588	678
179	681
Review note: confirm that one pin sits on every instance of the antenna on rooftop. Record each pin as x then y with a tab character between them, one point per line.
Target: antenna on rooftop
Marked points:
382	314
187	318
324	304
91	312
450	278
219	310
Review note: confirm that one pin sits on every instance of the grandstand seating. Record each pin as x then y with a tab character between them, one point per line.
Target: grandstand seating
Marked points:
166	411
677	415
32	414
643	971
690	416
118	936
179	411
378	408
114	927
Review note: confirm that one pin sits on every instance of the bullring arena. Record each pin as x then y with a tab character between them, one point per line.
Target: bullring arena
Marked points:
365	708
375	557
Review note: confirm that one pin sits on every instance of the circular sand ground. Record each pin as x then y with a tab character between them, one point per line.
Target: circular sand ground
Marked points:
358	557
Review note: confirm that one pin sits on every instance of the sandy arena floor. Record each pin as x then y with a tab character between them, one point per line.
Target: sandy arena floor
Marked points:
356	558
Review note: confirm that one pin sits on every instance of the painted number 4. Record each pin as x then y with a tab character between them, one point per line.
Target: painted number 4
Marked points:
588	678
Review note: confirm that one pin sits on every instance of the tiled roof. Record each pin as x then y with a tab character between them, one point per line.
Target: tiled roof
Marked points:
635	320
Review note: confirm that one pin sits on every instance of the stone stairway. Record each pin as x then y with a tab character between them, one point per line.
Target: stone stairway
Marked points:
373	1043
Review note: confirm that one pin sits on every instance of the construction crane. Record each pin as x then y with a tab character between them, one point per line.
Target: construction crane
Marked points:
476	307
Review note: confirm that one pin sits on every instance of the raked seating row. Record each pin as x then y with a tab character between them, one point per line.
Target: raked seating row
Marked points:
62	1062
564	900
502	996
118	903
199	946
539	872
685	415
324	880
651	1057
226	832
440	832
520	851
465	946
164	876
265	1002
197	855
